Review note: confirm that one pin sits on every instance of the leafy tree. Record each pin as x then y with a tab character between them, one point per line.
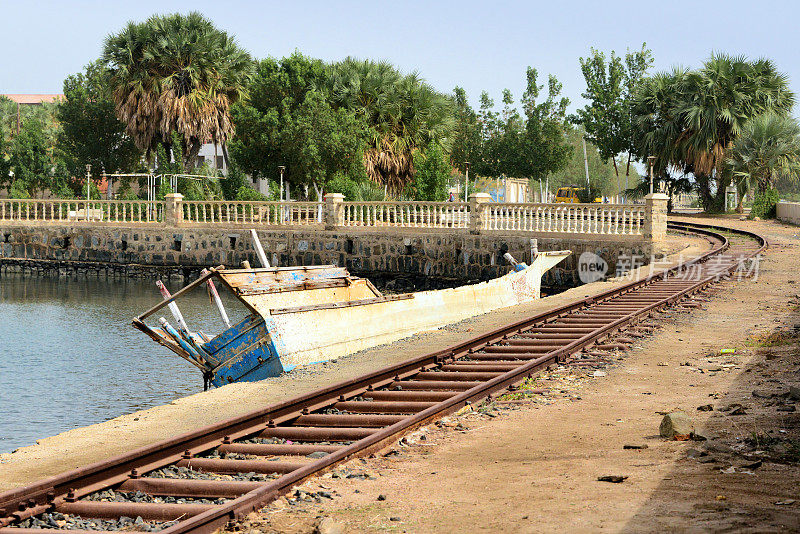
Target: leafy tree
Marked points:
432	174
466	144
176	73
544	147
277	91
324	141
610	87
5	163
602	177
90	131
31	157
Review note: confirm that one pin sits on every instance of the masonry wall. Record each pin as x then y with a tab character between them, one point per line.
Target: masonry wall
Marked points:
788	212
180	253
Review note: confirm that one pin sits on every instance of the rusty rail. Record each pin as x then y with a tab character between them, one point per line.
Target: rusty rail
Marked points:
356	416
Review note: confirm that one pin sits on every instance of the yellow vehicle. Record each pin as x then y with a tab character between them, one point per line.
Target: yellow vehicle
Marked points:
571	195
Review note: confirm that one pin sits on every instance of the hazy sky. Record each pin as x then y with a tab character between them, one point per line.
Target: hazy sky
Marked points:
478	45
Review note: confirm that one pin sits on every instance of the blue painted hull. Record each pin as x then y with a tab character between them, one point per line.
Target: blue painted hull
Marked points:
244	352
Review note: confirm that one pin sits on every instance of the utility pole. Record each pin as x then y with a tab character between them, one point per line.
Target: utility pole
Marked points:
281	168
466	181
651	160
88	187
585	161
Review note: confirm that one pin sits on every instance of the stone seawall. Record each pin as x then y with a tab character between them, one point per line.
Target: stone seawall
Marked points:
180	253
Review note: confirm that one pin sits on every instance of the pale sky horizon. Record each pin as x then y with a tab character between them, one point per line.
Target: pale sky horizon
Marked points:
467	43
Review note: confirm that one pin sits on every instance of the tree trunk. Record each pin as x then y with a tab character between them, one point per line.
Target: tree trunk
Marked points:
190	154
616	170
628	169
225	156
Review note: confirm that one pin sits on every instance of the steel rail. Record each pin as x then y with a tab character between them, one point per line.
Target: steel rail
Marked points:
61	492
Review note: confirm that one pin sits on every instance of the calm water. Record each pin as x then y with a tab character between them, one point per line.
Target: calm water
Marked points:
69	356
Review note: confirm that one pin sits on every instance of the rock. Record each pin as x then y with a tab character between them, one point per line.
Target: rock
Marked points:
381	497
330	526
705	408
785	502
787	408
695	453
317	454
616	479
598	374
762	394
676	425
395	519
635	447
737	411
794	393
752	465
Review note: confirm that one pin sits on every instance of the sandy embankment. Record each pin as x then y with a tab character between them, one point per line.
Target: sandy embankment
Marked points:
82	446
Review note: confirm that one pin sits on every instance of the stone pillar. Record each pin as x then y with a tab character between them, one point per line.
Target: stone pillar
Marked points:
334	211
477	211
173	209
655	217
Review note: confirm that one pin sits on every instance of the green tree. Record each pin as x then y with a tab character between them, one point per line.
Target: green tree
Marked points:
466	144
610	88
768	148
432	175
277	91
323	141
31	158
544	148
176	73
90	131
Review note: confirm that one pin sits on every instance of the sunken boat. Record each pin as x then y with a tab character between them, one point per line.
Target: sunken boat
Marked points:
304	315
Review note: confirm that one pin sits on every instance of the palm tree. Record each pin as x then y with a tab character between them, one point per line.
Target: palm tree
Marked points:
402	111
176	74
690	119
768	148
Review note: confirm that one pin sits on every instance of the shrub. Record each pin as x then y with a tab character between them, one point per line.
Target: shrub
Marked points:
19	189
764	204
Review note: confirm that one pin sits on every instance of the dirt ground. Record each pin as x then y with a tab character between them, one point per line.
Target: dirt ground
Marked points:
533	465
83	446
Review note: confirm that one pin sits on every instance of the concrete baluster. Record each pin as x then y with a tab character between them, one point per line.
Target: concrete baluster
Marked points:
334	210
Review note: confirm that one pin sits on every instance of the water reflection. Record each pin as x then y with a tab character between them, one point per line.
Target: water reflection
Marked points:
69	356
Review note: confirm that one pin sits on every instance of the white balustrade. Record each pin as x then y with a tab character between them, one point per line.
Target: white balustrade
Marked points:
254	212
594	219
77	211
602	219
407	214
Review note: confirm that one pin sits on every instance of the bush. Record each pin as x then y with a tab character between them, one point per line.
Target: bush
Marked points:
19	189
247	193
232	182
432	174
764	204
588	194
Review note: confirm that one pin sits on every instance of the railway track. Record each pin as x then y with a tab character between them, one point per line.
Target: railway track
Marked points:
199	481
